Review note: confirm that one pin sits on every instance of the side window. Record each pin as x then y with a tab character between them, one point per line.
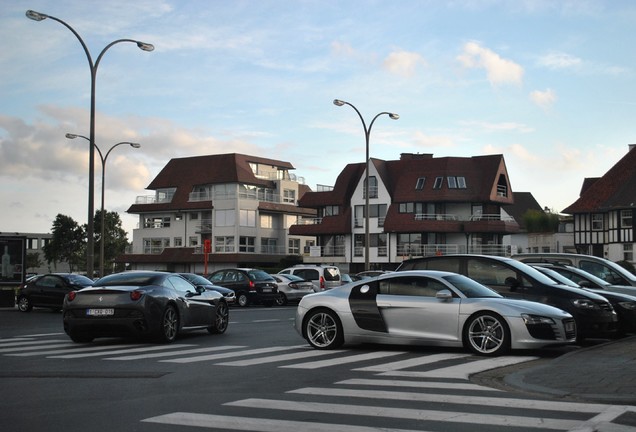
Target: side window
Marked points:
488	272
444	264
230	276
49	281
411	286
603	272
217	277
285	272
240	277
180	284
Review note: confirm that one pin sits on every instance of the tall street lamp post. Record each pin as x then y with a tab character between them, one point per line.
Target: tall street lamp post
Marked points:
367	133
103	158
37	16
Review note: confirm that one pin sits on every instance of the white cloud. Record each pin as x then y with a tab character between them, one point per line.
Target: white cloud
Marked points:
498	127
544	99
403	63
427	141
560	61
498	69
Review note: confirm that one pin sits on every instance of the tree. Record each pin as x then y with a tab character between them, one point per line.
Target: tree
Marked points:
67	244
116	237
537	221
33	260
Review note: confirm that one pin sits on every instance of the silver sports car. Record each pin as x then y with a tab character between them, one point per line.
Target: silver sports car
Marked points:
429	308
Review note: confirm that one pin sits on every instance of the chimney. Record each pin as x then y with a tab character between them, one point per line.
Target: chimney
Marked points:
415	156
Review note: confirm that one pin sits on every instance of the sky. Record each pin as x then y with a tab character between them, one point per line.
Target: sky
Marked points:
550	85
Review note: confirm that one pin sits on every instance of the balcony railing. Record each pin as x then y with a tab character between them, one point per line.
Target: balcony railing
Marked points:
492	217
434	216
153	199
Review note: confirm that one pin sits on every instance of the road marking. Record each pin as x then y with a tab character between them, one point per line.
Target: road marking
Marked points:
175	353
226	355
5	346
417	361
416	384
122	351
68	348
279	358
464	370
342	360
406	413
219	422
459	399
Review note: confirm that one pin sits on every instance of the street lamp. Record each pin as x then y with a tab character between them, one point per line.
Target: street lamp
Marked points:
103	158
367	133
37	16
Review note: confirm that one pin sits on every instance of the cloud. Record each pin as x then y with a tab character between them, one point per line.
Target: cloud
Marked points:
403	63
498	69
427	141
498	127
544	99
559	61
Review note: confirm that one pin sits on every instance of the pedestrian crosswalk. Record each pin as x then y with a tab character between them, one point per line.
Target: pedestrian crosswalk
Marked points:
426	391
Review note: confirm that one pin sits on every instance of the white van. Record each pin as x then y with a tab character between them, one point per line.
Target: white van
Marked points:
599	267
323	276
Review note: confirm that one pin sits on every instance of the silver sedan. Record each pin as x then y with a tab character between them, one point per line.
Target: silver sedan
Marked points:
436	308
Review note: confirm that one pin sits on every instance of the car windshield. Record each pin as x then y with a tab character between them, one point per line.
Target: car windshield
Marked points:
294	278
471	288
79	280
558	277
260	275
139	279
196	279
530	271
332	274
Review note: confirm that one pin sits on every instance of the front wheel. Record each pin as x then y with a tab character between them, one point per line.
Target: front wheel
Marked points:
169	325
487	334
221	320
323	329
281	299
24	304
242	300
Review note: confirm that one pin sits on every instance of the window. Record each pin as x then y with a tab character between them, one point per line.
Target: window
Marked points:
331	210
32	243
193	241
626	219
419	185
246	244
452	182
269	245
178	217
293	246
379	241
406	207
194	216
411	286
155	245
628	252
178	242
247	218
597	222
438	182
373	187
289	196
267	221
157	222
225	218
461	182
224	244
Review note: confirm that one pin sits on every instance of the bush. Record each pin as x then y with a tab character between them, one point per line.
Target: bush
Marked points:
627	266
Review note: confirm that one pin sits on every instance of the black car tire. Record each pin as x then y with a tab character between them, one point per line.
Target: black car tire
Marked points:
487	333
81	337
221	318
281	299
323	330
169	325
242	300
24	304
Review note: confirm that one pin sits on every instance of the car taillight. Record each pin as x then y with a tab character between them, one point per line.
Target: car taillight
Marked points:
251	284
293	285
135	295
71	295
322	282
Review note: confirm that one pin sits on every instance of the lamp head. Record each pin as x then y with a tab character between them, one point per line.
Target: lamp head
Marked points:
338	102
36	16
135	145
145	46
71	136
394	116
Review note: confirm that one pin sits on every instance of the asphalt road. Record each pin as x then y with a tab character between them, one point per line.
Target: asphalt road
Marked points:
259	376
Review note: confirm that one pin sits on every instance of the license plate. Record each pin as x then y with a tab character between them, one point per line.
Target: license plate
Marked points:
100	312
569	326
267	290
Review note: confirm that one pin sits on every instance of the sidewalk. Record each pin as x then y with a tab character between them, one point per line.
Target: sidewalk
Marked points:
604	373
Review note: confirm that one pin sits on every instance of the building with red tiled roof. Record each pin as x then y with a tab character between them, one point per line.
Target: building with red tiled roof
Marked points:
603	213
238	204
418	205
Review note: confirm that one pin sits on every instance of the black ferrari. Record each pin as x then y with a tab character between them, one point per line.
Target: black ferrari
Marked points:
151	304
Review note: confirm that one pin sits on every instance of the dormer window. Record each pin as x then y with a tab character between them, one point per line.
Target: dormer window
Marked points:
438	182
420	183
458	182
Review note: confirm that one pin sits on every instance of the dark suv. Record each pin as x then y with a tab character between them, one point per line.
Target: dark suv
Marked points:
250	285
595	317
49	290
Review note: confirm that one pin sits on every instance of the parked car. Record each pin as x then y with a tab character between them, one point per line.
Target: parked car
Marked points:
48	290
198	280
291	288
432	308
140	304
252	286
599	267
595	317
623	304
371	273
323	276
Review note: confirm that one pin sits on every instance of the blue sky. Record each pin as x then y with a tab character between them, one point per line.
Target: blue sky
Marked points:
549	84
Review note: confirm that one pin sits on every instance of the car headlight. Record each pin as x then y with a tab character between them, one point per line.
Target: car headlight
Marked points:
536	319
585	304
630	305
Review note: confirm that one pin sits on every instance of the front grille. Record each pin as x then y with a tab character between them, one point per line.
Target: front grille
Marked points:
605	305
570	334
542	331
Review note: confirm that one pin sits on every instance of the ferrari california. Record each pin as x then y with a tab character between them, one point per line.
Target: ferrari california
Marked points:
142	304
436	308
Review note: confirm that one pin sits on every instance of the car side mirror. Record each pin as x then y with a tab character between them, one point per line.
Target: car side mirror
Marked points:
512	283
444	295
200	289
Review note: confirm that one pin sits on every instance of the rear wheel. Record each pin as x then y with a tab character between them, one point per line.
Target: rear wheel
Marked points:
323	329
487	333
222	318
24	304
169	326
242	300
281	299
